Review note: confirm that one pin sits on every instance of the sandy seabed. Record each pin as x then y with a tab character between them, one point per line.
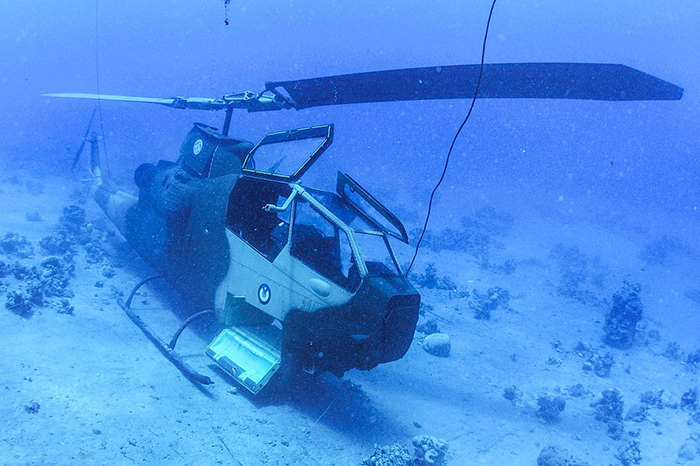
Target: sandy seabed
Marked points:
87	387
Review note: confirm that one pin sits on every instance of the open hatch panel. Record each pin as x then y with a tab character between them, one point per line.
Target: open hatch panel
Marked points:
287	155
249	354
363	201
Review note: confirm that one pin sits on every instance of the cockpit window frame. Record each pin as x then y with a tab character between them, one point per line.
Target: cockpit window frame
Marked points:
280	137
350	232
330	216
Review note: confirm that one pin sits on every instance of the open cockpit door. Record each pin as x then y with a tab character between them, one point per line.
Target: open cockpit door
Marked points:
363	201
287	155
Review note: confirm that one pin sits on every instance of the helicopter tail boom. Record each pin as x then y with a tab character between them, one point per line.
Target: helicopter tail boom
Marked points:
114	203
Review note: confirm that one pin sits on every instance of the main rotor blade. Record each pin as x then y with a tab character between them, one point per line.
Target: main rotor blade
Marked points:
197	103
500	81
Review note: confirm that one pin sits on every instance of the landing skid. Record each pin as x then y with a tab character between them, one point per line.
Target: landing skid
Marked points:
168	349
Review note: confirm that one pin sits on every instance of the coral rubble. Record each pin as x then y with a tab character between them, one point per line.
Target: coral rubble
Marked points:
609	409
549	407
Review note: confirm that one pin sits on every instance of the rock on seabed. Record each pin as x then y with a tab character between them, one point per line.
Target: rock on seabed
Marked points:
438	344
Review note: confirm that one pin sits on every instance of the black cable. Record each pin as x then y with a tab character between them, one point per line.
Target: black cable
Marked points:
454	140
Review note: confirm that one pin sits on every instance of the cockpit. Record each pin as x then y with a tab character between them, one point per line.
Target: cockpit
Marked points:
322	229
341	235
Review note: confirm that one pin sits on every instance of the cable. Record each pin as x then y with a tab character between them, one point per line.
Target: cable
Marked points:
454	140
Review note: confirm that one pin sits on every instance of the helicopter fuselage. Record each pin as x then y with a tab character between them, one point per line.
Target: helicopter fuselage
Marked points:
282	266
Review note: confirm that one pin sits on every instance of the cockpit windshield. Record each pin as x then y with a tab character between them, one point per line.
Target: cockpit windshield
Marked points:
325	246
376	253
340	208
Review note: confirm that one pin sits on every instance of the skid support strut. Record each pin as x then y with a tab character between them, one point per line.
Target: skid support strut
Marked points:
168	350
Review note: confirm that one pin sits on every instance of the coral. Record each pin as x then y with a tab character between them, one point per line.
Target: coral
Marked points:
689	400
391	455
512	393
21	271
609	409
577	391
475	235
54	277
15	245
637	413
615	429
600	365
80	195
66	307
56	244
490	221
73	219
108	271
693	358
550	407
50	279
506	268
624	316
672	352
484	304
13	179
652	399
428	327
585	350
579	273
629	454
19	303
115	292
32	408
430	280
438	344
73	231
429	451
94	254
557	456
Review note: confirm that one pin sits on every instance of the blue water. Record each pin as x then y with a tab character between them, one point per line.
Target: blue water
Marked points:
184	48
636	160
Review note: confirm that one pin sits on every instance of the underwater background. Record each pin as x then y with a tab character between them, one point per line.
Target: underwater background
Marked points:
551	212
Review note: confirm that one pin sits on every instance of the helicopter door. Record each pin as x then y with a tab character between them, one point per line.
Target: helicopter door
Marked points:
376	213
287	155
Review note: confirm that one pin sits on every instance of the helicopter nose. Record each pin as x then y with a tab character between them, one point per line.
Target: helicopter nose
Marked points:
399	325
375	327
393	335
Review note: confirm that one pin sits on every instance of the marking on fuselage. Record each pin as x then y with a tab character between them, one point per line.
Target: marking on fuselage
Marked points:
197	148
264	293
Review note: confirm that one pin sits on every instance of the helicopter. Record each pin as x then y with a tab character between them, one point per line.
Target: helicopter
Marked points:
302	278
